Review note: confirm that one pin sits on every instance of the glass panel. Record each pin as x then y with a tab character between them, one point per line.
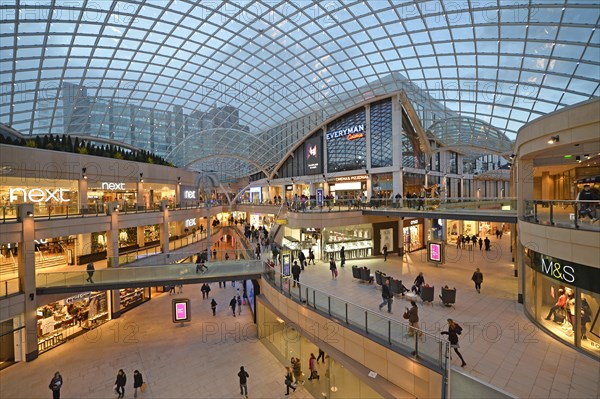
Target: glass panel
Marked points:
555	304
590	321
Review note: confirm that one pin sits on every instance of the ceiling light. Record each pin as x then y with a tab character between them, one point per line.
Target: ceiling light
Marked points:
578	158
553	139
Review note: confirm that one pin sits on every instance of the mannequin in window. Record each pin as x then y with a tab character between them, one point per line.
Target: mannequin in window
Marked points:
561	303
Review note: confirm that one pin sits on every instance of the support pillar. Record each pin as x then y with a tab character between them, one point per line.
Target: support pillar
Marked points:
83	195
112	236
141	239
164	227
26	262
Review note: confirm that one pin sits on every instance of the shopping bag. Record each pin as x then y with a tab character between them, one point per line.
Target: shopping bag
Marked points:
143	387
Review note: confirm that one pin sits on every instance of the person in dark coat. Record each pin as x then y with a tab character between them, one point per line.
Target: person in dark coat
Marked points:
120	383
213	306
138	381
90	271
56	384
419	281
453	331
296	270
477	279
289	380
302	259
387	296
342	256
480	243
333	268
233	304
487	243
413	319
243	375
385	252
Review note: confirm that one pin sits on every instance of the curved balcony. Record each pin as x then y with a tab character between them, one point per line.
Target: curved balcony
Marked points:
569	214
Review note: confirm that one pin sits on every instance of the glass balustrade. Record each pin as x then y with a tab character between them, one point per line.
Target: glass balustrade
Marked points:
426	347
560	213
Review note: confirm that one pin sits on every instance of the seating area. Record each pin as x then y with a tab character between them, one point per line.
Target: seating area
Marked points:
362	274
396	286
427	292
448	296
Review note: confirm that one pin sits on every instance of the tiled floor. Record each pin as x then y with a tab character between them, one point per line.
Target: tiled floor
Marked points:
500	345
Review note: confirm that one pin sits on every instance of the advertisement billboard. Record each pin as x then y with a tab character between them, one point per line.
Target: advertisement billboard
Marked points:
181	310
435	252
313	156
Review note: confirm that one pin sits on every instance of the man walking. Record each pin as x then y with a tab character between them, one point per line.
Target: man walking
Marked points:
477	279
385	252
296	273
387	296
233	304
90	271
243	375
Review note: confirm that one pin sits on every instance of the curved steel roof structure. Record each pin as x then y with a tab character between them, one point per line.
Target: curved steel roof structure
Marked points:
157	74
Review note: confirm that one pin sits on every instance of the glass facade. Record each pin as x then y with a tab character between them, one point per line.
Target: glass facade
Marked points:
564	299
346	143
381	133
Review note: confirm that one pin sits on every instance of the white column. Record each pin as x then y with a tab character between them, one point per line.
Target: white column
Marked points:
26	265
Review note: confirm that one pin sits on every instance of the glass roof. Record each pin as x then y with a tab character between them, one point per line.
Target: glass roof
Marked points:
156	74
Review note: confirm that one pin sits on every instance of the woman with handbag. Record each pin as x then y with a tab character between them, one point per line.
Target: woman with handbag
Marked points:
289	378
120	383
138	382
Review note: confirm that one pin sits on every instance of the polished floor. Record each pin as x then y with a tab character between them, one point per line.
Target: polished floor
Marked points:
201	359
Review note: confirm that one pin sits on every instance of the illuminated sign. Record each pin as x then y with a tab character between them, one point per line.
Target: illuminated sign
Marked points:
435	252
313	156
355	136
189	194
38	194
351	178
181	310
190	222
354	130
113	186
559	271
414	222
285	265
319	197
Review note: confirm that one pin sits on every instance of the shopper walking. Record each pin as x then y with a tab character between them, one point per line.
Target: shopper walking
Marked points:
480	243
243	375
213	306
342	256
413	319
239	305
90	271
385	252
296	273
232	305
453	332
477	279
333	268
419	281
321	355
289	380
387	296
487	243
311	256
297	368
138	381
120	383
56	384
312	366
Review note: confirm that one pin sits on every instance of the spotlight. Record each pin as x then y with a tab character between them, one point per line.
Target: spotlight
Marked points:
511	156
31	296
83	170
179	180
554	139
141	177
587	156
29	214
367	171
578	158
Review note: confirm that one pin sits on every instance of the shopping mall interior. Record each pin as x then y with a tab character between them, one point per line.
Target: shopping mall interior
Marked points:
298	163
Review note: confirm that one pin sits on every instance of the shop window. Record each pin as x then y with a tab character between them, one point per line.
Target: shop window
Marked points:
589	312
556	307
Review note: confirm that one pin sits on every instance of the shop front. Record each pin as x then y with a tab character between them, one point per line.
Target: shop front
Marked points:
260	219
132	297
101	192
154	193
564	299
60	320
455	228
385	234
412	233
357	241
49	197
348	187
382	186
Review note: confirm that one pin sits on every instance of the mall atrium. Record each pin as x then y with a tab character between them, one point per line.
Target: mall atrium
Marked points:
137	135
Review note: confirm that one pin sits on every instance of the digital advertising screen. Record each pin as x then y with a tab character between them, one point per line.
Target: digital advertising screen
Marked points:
285	267
313	156
435	252
181	310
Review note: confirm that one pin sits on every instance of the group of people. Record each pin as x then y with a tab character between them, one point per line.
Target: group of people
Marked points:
56	384
465	241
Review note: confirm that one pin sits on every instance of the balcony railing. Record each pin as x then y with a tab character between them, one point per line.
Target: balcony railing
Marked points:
563	213
10	286
421	345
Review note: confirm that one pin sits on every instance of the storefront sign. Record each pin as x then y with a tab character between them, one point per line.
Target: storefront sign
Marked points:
190	223
350	178
181	310
77	297
113	186
189	194
566	272
38	195
414	222
353	131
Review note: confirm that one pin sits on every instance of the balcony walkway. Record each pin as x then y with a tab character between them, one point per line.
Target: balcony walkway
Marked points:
146	276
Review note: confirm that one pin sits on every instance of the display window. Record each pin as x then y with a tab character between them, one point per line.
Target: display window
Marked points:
356	240
412	234
381	185
132	297
125	194
155	193
49	197
59	320
569	311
